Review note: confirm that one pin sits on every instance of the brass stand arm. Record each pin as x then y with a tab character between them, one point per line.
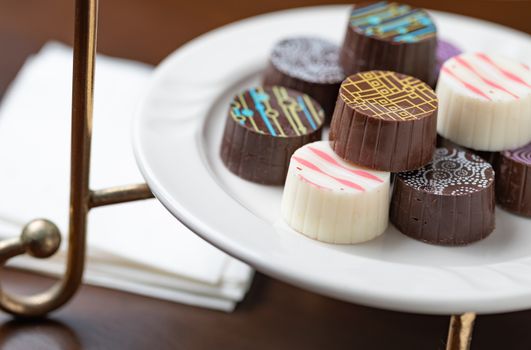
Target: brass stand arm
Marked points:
41	238
460	331
119	194
10	248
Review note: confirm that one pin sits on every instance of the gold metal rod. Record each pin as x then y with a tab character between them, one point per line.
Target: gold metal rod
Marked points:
82	104
119	194
40	238
460	331
11	247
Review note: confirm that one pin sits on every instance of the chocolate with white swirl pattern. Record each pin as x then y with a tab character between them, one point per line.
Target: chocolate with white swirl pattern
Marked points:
310	59
450	201
451	172
309	65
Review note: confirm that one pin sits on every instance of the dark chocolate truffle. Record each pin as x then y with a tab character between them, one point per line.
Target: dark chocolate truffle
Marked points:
385	121
263	129
513	180
450	201
308	65
390	36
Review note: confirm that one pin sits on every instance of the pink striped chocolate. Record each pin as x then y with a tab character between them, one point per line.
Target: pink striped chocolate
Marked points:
484	102
489	77
318	165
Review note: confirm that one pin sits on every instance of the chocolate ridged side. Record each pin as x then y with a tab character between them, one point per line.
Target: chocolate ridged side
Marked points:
382	143
442	219
361	52
264	127
513	185
260	158
325	94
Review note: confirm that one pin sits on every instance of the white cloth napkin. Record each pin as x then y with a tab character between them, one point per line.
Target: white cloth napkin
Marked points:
137	247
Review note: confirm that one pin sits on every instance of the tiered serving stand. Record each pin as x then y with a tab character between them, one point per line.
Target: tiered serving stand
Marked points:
41	238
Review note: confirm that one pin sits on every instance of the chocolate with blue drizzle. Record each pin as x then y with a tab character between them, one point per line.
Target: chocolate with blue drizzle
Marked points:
265	125
394	22
390	36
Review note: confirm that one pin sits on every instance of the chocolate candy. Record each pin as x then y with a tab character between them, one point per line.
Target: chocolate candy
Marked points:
485	102
390	36
445	51
263	129
450	201
513	180
330	200
385	121
490	157
309	65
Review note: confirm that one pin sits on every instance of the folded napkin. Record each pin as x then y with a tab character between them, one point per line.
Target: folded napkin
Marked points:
136	247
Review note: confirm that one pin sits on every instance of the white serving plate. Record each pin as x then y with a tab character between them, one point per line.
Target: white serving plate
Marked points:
177	134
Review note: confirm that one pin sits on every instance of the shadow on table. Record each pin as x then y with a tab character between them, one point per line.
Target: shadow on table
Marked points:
37	334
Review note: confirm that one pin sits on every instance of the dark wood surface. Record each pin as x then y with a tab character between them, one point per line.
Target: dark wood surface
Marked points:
274	315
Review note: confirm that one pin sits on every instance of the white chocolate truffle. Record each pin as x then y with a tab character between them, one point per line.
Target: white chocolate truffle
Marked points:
330	200
484	102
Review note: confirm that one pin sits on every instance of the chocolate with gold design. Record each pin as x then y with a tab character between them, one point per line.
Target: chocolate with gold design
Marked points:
385	121
309	65
263	129
390	36
450	201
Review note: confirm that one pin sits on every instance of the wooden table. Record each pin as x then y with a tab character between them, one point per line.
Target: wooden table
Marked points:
274	314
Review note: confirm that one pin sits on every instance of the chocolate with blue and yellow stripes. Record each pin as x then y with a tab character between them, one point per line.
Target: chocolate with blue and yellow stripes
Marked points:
264	126
390	36
399	23
276	111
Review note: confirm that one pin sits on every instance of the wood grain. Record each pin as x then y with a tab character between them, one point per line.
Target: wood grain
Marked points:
274	315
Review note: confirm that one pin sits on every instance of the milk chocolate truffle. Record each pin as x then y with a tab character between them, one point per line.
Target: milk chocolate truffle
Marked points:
450	201
330	200
513	180
385	121
263	129
390	36
485	102
308	65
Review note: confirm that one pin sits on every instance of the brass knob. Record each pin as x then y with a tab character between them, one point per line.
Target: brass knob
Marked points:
41	238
